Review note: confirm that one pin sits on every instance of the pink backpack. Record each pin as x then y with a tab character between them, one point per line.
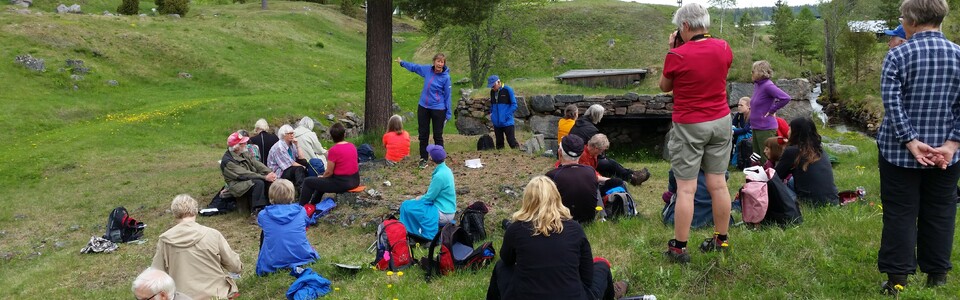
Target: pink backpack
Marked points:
753	195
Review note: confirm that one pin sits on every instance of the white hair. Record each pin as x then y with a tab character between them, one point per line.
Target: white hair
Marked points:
261	125
595	113
238	148
283	130
155	281
695	15
564	157
306	122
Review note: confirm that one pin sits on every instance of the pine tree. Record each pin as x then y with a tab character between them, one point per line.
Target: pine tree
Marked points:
782	20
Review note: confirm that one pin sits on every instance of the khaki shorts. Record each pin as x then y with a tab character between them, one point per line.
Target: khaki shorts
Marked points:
699	146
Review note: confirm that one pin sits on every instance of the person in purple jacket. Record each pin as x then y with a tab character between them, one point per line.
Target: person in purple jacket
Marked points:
434	107
767	99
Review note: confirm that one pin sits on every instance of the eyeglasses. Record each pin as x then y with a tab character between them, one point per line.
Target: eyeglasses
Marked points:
151	297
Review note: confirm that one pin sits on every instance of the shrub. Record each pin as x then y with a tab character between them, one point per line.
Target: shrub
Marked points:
166	7
129	7
350	8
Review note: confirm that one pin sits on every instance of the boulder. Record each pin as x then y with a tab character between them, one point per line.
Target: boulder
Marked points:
542	103
72	9
112	82
636	109
841	149
534	144
471	126
523	110
545	124
22	3
76	77
30	62
184	75
798	89
569	98
737	90
796	109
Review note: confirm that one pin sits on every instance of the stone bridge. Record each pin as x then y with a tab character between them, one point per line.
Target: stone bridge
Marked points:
629	118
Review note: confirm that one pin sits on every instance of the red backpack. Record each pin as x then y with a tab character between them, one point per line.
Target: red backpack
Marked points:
393	252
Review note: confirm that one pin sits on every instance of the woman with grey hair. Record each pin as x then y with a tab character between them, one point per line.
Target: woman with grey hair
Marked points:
918	141
585	127
156	284
313	151
263	139
695	69
286	159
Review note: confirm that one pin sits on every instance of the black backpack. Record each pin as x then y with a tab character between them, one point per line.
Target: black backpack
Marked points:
222	202
121	228
782	206
619	205
456	252
744	150
472	220
485	143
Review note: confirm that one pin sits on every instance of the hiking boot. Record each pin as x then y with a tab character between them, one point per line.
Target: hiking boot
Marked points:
422	164
676	254
894	285
639	177
253	216
714	244
936	279
619	289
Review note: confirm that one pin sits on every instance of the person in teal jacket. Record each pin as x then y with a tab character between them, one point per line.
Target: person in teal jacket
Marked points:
502	106
423	216
435	106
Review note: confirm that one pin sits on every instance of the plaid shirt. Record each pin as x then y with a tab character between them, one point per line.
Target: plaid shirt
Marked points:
279	158
920	86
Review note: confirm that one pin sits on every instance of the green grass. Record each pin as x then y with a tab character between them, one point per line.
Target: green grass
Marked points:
71	156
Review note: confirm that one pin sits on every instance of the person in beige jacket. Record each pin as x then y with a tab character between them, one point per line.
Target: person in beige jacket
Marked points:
197	257
310	145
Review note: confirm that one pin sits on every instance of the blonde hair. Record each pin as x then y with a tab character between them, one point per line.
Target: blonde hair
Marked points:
395	124
762	70
261	125
542	207
184	206
600	142
746	100
281	192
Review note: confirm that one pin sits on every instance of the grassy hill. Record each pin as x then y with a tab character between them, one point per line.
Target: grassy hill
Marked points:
73	155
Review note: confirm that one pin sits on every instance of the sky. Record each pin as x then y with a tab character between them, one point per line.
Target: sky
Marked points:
740	3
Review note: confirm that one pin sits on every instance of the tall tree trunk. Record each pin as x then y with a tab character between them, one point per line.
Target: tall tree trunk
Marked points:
378	99
829	61
263	4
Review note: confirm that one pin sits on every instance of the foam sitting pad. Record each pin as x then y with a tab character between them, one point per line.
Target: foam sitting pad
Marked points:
358	189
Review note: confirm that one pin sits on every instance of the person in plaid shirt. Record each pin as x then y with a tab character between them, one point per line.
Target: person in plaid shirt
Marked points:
918	140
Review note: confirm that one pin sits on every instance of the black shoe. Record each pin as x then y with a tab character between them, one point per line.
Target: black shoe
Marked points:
894	285
936	279
422	164
676	254
714	244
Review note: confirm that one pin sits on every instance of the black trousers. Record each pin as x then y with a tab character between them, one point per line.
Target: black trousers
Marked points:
426	117
919	211
600	288
315	187
258	194
511	136
611	168
296	175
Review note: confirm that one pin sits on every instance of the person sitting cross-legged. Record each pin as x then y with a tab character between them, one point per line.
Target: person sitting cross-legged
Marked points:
546	255
284	224
577	183
424	215
196	256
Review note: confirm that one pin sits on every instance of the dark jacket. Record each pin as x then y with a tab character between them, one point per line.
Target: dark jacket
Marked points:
559	266
816	183
741	125
578	189
238	170
265	141
584	129
502	105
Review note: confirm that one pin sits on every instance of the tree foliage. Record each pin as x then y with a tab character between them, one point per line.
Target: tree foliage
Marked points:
856	49
129	7
166	7
723	5
800	39
437	14
780	25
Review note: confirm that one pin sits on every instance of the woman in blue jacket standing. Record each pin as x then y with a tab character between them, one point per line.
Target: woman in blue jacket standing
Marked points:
502	105
434	107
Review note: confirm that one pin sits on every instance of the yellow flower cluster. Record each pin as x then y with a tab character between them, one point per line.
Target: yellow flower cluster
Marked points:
146	116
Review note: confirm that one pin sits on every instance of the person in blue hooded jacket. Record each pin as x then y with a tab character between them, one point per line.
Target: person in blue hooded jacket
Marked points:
284	241
434	107
424	215
502	105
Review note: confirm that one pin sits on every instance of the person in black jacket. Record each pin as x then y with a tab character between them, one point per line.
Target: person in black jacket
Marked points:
585	127
263	139
805	159
546	255
576	183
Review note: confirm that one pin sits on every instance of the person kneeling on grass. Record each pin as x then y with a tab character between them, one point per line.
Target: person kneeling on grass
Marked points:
424	216
342	172
546	254
284	242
